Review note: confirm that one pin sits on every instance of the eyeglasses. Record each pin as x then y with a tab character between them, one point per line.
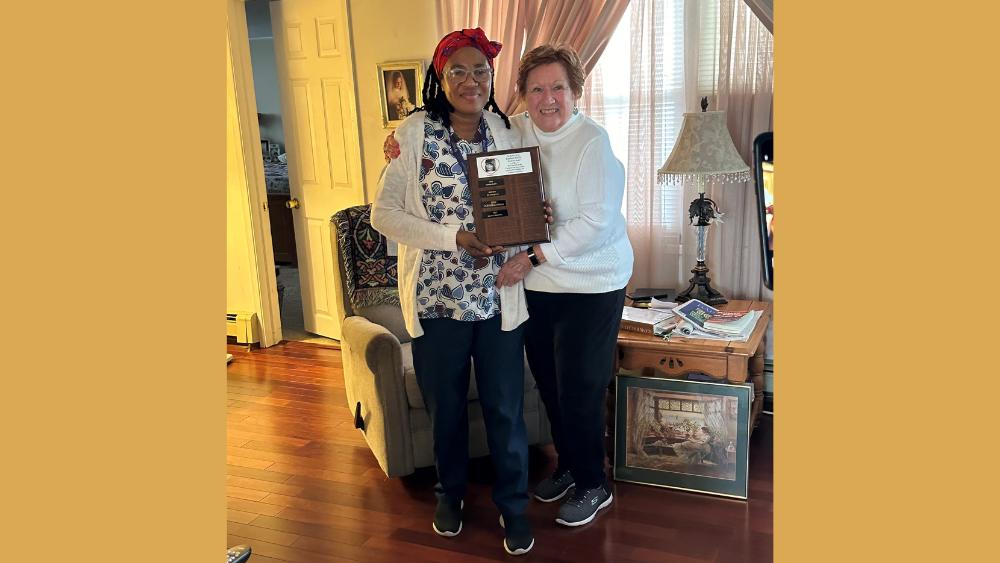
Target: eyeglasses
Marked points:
458	75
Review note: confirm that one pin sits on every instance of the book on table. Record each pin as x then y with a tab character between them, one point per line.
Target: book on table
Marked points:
636	319
733	322
695	312
701	320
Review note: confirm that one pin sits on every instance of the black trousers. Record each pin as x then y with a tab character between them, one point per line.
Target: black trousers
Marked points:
570	341
441	360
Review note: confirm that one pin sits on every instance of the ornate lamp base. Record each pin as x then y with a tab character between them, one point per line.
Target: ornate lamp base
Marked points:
704	210
700	288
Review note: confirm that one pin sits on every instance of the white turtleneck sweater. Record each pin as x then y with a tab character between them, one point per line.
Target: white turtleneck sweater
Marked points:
590	251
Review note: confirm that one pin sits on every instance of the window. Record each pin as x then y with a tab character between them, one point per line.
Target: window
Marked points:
637	93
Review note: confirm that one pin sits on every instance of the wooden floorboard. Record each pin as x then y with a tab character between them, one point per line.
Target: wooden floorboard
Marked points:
302	487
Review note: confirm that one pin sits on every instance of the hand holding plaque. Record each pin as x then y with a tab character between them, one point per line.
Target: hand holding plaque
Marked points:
507	197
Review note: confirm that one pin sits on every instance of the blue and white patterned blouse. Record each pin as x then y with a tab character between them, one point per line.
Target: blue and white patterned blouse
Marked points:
453	285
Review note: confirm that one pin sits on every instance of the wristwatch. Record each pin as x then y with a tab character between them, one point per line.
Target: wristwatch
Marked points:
532	257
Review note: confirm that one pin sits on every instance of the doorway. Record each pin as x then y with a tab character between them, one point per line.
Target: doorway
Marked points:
271	123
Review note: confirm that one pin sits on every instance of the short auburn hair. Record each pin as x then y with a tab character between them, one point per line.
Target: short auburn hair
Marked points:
548	54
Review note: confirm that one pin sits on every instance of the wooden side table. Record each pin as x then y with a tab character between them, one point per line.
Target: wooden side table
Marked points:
723	361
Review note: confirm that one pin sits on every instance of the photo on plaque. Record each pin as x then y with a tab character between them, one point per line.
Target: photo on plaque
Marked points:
487	166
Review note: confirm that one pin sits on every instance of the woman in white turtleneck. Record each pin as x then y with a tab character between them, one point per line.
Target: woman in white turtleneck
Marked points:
574	285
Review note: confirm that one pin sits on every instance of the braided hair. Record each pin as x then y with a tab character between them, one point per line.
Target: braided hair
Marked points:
436	103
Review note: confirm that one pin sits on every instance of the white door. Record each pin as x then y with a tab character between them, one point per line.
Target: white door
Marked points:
315	73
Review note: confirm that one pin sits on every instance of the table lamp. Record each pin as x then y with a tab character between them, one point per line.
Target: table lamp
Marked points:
704	153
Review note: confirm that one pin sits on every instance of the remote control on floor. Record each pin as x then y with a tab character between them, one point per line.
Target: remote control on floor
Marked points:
238	554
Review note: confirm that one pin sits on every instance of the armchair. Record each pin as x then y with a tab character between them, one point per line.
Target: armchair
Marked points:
381	386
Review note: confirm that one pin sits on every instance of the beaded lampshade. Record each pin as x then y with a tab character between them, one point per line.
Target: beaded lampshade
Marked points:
704	153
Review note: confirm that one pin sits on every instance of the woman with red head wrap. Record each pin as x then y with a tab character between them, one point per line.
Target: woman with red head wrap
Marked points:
452	307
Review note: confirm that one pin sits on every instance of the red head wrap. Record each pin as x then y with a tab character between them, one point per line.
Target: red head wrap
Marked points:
465	38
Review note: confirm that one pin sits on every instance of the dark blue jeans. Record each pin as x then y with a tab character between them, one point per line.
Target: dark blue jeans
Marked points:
571	340
441	360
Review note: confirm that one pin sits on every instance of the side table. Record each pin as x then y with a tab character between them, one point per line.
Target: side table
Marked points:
723	361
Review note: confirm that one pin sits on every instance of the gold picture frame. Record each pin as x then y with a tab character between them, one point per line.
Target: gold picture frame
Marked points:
400	88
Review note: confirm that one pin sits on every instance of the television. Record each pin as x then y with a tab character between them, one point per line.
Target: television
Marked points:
763	160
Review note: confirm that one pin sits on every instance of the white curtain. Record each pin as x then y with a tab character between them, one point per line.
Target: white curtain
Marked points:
637	93
745	93
656	104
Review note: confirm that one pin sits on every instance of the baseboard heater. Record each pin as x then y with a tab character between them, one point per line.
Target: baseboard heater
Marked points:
243	326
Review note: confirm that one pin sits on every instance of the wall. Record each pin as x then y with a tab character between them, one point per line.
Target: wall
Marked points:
409	35
265	73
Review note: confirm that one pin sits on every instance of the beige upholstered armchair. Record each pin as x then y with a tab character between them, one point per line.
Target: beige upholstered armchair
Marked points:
378	364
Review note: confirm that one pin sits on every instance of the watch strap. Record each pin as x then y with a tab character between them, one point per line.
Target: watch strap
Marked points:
532	257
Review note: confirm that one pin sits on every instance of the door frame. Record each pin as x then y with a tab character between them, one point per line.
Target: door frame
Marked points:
260	223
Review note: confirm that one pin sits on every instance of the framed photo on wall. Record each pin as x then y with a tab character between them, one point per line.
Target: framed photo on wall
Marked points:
273	150
688	435
400	87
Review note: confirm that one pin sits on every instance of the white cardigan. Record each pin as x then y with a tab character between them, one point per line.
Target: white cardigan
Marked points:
399	214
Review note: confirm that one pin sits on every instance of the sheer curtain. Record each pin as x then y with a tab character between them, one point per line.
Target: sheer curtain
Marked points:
585	26
637	93
745	93
522	25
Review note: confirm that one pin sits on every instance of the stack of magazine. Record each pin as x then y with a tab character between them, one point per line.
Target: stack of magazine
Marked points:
696	319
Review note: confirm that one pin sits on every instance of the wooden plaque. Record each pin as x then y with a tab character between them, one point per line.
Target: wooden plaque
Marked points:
507	196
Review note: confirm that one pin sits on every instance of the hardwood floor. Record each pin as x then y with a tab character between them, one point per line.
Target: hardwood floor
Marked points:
302	487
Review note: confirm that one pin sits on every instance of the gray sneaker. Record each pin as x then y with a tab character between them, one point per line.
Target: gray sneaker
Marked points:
448	517
583	505
555	487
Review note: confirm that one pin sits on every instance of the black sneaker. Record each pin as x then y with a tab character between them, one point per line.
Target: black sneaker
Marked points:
448	517
555	487
518	538
583	505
